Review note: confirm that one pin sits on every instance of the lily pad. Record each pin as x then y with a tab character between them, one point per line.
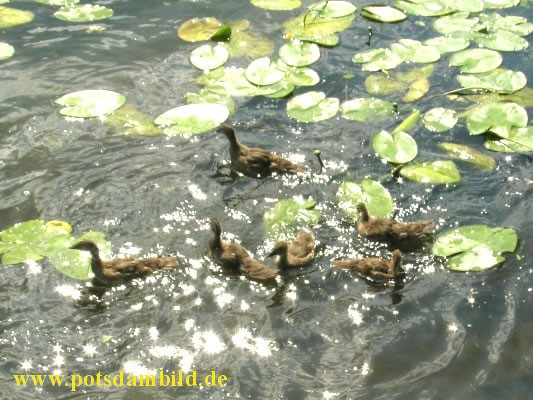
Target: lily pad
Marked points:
382	13
299	54
299	76
502	41
208	96
287	216
83	13
398	147
208	57
384	84
372	193
519	140
424	8
90	103
456	22
415	51
501	3
475	247
263	72
192	119
498	118
476	60
367	109
198	29
499	80
233	83
509	23
436	172
377	59
6	51
331	9
473	6
277	5
440	119
58	3
447	44
12	17
469	155
417	90
312	107
249	45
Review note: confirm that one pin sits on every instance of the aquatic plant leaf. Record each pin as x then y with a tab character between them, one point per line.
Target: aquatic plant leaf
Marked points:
382	13
408	122
519	140
249	45
223	34
365	109
128	120
383	84
476	60
523	97
417	89
436	172
499	80
208	96
285	90
192	119
208	57
472	6
325	41
233	83
500	3
321	20
398	148
83	13
469	155
198	29
502	41
12	17
424	8
331	9
299	54
498	118
478	258
277	5
511	23
372	193
58	3
312	107
6	51
299	76
415	51
90	103
263	72
439	119
456	22
447	44
377	59
288	215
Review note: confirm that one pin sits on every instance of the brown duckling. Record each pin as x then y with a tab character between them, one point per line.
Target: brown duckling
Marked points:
374	268
388	228
120	270
235	257
297	254
255	162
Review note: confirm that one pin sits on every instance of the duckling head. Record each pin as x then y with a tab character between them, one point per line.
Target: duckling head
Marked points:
215	226
85	245
363	212
279	249
397	261
227	130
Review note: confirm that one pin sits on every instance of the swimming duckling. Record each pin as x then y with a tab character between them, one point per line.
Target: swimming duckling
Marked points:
374	268
388	228
235	257
254	162
120	270
297	254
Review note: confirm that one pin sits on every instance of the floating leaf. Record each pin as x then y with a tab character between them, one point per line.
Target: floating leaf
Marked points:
372	193
277	5
208	96
424	8
223	34
263	72
128	120
499	80
384	84
498	118
197	29
472	6
83	13
501	3
249	45
447	44
331	9
439	119
519	140
502	41
415	51
11	17
510	23
312	107
377	59
408	122
476	60
233	83
469	155
416	90
6	51
398	148
209	57
436	172
326	40
90	103
301	76
287	216
299	54
365	109
456	22
192	119
382	13
58	3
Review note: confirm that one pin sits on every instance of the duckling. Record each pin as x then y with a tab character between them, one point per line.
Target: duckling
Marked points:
255	162
374	268
297	254
388	228
234	256
120	270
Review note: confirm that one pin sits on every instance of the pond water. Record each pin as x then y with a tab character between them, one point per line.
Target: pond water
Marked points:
317	333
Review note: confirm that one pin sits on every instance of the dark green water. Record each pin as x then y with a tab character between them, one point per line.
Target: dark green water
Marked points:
317	334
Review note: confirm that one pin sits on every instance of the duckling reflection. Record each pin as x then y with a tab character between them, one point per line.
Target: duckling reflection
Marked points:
256	162
297	254
375	269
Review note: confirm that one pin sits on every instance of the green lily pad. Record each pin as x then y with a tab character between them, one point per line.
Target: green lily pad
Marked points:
440	119
523	97
372	193
456	22
192	119
312	107
331	9
208	96
424	8
128	120
233	83
223	34
436	172
249	45
198	29
415	51
90	103
447	44
398	148
325	41
498	118
263	72
417	89
299	76
384	85
277	5
58	3
367	109
499	80
510	23
469	155
83	13
208	57
382	13
500	3
286	89
299	54
519	140
476	60
473	6
502	41
6	51
377	59
475	247
287	216
11	17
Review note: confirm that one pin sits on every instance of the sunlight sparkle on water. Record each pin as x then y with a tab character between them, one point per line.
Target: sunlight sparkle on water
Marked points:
453	327
354	314
89	349
26	365
68	291
329	395
34	267
136	368
262	347
208	341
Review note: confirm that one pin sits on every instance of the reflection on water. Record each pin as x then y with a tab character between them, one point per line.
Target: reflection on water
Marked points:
316	333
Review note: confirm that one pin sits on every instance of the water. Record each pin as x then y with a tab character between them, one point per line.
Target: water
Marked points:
318	333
